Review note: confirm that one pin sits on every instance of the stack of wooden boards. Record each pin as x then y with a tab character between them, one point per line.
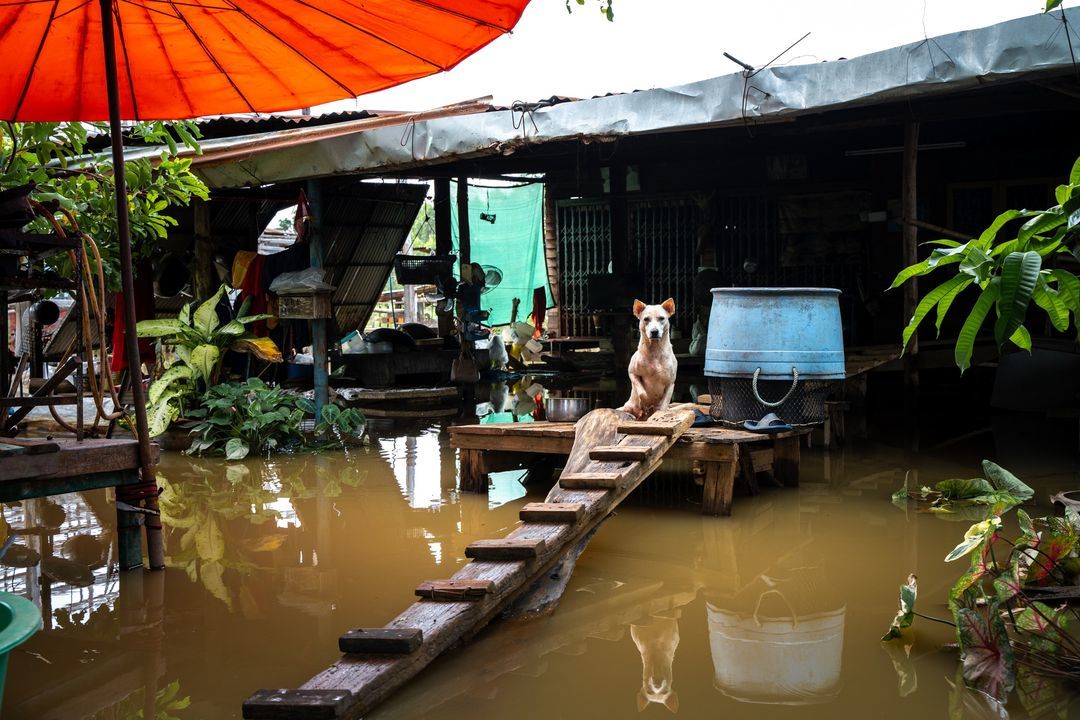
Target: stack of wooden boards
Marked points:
610	457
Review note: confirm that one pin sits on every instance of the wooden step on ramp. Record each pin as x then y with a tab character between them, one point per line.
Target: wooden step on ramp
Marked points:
382	641
592	484
552	512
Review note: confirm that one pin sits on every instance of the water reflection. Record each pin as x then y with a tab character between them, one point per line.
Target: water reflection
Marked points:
667	611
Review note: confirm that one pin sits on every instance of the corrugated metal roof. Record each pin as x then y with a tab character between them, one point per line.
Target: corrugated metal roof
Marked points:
1026	48
363	226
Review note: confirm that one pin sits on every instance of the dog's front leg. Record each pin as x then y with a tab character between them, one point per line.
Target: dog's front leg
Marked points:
636	404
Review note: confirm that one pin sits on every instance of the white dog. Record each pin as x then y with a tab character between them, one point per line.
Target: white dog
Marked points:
653	367
657	642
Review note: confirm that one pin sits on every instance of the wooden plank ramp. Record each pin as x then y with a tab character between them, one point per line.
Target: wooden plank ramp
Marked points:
454	610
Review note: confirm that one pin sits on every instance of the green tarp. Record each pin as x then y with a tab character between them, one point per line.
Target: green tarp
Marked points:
513	243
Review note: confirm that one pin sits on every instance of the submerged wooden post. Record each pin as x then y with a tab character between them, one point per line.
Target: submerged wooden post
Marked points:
911	287
318	327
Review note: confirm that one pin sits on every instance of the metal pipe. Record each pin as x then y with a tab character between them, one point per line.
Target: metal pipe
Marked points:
154	542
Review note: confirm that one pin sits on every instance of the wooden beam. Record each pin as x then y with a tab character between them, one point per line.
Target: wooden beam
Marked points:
204	279
586	480
455	589
620	453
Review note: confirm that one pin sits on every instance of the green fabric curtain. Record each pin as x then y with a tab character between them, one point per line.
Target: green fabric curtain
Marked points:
514	243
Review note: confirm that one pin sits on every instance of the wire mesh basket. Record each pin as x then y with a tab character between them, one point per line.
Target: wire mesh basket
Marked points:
734	401
423	269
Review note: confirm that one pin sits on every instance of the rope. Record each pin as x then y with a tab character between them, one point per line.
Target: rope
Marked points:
782	400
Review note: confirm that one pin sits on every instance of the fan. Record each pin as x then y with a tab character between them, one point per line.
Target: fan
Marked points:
492	277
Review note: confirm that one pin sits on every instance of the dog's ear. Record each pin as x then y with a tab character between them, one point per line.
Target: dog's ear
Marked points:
639	307
642	699
671	702
669	306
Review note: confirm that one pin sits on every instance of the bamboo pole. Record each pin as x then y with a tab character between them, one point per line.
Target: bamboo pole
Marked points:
910	247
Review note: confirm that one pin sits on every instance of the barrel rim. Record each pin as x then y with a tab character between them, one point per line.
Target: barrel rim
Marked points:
775	291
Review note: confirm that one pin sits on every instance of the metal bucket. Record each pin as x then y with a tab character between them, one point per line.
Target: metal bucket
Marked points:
19	619
773	350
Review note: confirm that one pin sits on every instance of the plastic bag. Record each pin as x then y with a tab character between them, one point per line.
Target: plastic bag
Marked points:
301	281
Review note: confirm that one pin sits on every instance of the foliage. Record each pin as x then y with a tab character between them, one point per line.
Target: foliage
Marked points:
605	8
241	418
222	524
200	341
52	156
1009	270
1006	626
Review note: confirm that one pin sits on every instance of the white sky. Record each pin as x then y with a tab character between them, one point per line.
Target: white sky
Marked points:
659	43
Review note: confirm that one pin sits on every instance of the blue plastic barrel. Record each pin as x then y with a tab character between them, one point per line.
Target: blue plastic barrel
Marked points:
770	331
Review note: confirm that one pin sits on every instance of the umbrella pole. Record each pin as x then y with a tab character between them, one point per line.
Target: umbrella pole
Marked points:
154	543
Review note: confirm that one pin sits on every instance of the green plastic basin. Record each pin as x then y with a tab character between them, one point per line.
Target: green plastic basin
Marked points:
19	619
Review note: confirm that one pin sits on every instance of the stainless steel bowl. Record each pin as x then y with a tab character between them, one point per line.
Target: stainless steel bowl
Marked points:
567	409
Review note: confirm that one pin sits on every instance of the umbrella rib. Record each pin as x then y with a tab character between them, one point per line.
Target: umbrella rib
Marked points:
372	35
304	57
213	59
37	56
127	62
464	16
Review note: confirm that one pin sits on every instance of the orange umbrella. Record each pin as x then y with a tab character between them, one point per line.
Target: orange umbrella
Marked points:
187	58
174	59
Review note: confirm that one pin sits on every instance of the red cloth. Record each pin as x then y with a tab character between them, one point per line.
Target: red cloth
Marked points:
144	310
303	214
539	308
252	287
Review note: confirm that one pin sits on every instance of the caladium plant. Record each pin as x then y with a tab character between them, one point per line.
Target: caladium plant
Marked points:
1008	626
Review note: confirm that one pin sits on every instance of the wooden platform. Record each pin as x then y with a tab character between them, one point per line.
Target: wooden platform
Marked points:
36	467
719	455
502	570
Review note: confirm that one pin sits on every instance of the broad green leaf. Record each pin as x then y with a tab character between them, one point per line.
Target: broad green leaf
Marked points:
964	489
1074	174
947	301
986	239
1062	193
927	303
236	449
1021	338
204	361
211	575
233	328
985	651
1050	5
938	258
965	343
906	614
943	242
183	352
975	536
184	315
1048	299
161	414
1068	286
248	319
206	319
170	376
1027	527
1005	481
1019	273
977	264
158	328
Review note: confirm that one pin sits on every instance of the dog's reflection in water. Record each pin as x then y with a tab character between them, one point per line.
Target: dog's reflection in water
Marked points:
656	641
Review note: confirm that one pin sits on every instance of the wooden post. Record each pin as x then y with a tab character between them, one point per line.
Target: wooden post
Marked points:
444	244
909	200
551	257
205	279
719	487
474	477
464	243
786	457
622	263
318	327
155	543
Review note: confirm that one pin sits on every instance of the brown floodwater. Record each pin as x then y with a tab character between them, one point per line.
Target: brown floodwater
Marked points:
775	610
